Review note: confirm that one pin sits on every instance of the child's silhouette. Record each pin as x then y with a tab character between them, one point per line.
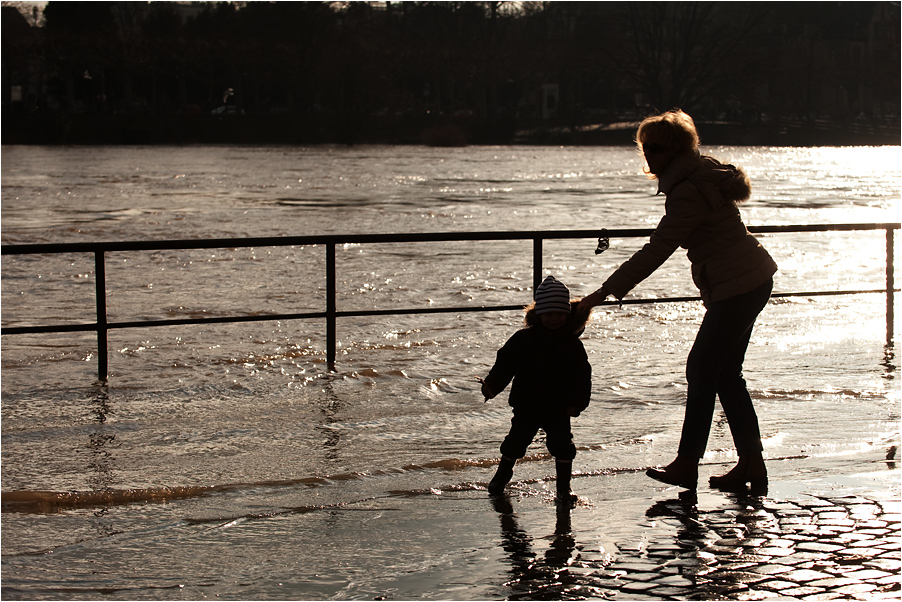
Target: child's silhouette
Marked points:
552	382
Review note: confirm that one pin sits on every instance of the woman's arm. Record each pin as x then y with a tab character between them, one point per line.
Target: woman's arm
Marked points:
684	212
589	301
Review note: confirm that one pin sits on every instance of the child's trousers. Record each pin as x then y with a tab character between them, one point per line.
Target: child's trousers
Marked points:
525	425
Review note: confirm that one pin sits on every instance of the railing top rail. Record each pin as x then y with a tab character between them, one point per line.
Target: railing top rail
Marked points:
283	241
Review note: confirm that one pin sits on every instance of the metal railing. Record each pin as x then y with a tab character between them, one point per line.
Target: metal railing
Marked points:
102	326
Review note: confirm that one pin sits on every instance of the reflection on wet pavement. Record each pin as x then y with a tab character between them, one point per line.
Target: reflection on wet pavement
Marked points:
818	548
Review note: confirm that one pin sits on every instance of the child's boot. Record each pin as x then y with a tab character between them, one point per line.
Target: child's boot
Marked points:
502	476
563	483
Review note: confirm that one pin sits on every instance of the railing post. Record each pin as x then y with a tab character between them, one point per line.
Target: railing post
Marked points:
102	326
536	264
330	306
890	286
100	288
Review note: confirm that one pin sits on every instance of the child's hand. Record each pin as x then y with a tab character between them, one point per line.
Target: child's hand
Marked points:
589	301
487	391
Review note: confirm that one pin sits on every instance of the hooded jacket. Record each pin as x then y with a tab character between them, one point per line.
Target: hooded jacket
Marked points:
549	368
701	215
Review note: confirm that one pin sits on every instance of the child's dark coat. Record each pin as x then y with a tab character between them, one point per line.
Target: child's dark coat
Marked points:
552	380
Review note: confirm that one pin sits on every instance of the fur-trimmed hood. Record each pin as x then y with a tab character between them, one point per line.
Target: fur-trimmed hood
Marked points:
701	215
716	181
575	324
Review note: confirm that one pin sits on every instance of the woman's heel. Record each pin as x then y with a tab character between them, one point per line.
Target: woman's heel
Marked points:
758	486
750	470
735	477
756	475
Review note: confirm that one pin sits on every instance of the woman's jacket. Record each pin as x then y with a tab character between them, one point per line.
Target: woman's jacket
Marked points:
550	369
701	215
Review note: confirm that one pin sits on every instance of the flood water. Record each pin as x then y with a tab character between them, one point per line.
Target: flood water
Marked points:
201	428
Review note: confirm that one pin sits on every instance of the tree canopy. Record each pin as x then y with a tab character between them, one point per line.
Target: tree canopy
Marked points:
564	62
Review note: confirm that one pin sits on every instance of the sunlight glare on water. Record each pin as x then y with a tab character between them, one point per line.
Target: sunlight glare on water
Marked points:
245	429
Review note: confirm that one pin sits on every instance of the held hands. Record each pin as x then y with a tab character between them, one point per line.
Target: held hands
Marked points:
589	301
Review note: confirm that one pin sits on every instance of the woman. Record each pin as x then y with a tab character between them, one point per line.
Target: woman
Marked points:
734	274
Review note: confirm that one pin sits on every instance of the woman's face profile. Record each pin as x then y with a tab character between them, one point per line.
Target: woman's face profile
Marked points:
657	157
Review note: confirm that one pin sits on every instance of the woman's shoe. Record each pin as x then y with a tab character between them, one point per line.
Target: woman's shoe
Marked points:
749	470
681	472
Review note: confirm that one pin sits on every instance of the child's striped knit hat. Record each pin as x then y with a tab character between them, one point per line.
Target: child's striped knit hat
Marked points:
552	295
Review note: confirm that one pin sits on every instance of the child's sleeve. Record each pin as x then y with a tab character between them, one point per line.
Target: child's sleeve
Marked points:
505	366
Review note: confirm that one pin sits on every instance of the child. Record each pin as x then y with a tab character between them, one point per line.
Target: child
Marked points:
552	382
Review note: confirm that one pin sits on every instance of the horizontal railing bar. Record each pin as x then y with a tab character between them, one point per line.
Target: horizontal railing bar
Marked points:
339	314
219	320
882	291
49	329
282	241
99	249
375	312
153	323
823	228
259	318
425	310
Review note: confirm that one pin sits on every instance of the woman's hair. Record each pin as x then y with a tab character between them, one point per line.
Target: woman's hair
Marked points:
674	130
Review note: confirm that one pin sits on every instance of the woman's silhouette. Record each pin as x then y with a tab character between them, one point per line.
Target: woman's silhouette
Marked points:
734	274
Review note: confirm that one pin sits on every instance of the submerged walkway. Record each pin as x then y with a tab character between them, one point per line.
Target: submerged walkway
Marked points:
830	539
829	529
818	549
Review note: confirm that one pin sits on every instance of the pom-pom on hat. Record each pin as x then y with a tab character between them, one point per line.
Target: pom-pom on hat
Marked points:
552	295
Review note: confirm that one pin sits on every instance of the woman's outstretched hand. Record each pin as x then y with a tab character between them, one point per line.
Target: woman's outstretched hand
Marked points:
589	301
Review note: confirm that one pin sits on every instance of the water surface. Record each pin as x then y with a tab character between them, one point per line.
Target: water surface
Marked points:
242	427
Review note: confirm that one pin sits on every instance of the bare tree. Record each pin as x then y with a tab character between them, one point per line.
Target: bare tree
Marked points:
679	53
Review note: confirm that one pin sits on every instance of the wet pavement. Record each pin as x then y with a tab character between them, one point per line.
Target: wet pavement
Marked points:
828	529
833	543
822	548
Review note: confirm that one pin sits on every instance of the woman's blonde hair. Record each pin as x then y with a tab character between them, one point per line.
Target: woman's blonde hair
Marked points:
674	130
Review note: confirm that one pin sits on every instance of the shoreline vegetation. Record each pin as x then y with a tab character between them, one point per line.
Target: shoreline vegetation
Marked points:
448	73
429	130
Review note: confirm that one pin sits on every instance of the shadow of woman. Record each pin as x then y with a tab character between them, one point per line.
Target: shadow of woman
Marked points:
707	542
685	510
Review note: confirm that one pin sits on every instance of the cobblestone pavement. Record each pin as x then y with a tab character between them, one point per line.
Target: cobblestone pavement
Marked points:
815	548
